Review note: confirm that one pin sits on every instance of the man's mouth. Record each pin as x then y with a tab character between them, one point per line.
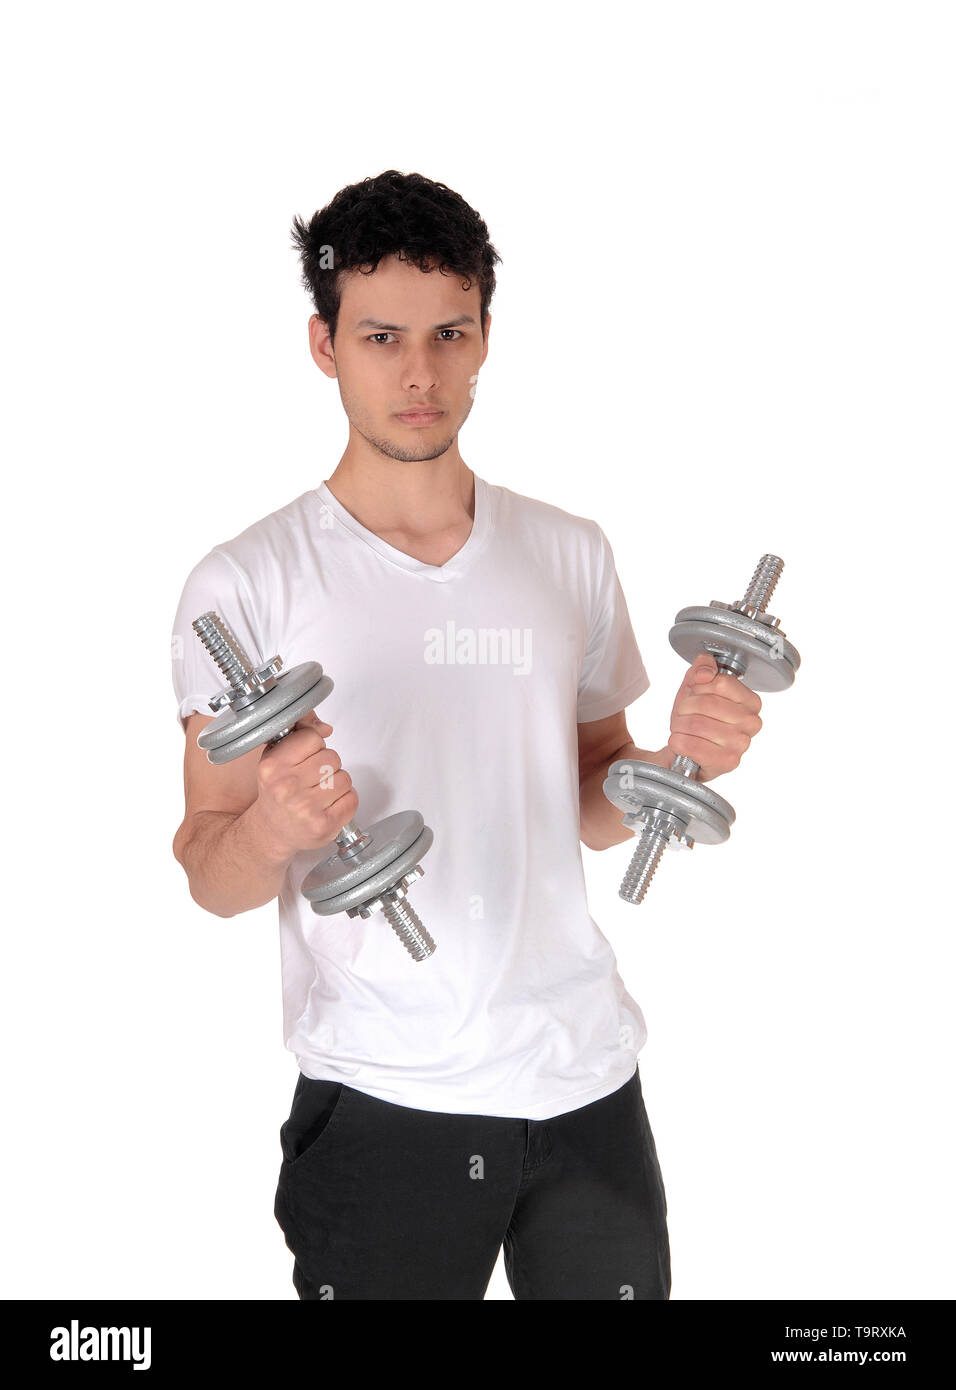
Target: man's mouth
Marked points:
424	416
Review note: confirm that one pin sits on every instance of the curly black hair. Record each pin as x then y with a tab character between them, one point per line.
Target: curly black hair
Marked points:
406	215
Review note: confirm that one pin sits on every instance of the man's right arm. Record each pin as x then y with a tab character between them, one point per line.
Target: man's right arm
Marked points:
245	820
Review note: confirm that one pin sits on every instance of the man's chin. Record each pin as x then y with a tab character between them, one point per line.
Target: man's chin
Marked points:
417	452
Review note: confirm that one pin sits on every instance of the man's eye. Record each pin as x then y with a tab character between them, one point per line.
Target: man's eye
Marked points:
374	337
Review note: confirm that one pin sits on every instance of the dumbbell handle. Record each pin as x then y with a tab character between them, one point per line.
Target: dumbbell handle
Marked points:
685	765
351	835
396	909
656	832
227	652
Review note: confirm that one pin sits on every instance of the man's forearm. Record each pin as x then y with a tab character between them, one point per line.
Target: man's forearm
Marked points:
601	823
229	860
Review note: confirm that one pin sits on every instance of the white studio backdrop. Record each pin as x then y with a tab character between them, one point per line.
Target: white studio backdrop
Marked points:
723	326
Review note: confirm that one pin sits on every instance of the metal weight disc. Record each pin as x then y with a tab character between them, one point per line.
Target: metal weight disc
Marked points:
280	722
368	888
289	686
390	837
708	816
236	732
771	660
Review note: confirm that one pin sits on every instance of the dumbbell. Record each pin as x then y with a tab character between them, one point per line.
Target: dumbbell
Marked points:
670	806
370	870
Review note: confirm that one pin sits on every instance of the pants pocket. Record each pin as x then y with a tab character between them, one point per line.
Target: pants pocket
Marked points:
315	1106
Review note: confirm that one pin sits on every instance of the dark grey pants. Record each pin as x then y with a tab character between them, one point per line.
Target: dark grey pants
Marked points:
380	1201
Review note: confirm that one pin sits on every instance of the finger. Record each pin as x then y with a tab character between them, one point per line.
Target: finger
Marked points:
304	740
323	768
701	671
727	688
702	733
724	711
704	661
713	761
343	808
332	784
312	720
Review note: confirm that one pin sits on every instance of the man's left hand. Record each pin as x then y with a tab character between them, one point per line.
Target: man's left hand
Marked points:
714	718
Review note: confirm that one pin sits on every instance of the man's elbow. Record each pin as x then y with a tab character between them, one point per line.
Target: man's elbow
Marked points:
181	843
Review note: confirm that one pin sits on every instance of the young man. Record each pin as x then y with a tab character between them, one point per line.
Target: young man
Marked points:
490	1094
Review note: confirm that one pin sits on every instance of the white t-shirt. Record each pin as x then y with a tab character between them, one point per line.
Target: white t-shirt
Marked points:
458	689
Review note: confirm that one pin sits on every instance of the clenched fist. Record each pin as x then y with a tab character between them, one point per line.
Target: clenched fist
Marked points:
714	718
304	796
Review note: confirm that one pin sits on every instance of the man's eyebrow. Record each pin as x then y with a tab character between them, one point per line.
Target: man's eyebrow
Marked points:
380	327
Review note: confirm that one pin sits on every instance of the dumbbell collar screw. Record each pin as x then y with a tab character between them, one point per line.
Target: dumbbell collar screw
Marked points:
350	839
657	819
396	892
748	610
259	680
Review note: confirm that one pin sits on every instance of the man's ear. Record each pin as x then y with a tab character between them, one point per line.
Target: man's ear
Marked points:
320	346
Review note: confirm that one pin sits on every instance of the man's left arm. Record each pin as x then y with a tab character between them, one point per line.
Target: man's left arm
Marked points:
713	720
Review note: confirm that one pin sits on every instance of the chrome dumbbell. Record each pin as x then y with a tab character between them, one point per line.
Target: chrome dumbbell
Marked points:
671	807
369	870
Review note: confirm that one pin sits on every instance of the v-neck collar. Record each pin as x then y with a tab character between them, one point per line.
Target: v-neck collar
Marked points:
440	574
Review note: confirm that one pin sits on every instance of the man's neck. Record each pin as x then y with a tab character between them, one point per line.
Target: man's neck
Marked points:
416	499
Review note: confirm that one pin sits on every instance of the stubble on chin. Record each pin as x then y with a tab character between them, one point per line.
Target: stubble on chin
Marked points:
392	447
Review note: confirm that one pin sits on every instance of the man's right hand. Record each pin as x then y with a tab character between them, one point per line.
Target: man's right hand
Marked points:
304	795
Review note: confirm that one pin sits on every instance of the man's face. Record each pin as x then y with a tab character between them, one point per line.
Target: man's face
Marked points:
406	340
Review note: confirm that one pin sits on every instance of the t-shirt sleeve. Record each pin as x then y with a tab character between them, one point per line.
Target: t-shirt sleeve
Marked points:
612	671
216	584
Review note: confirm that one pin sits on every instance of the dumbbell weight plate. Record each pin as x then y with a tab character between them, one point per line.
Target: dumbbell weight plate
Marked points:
379	883
772	661
397	844
631	786
295	693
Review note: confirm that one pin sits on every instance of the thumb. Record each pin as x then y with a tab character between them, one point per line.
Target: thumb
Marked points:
312	720
703	669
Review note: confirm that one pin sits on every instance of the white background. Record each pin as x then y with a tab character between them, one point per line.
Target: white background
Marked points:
724	326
